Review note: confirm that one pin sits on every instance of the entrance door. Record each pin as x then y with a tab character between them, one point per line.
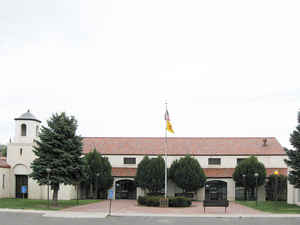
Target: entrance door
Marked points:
216	190
21	180
125	189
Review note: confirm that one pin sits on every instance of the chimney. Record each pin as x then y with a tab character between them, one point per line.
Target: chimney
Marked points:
264	142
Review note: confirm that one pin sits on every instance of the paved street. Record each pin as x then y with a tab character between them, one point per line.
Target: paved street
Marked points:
9	218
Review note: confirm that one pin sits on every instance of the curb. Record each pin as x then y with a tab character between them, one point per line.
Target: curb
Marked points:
210	215
65	214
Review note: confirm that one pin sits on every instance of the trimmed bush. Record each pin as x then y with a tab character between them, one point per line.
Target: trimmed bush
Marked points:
179	202
173	201
153	201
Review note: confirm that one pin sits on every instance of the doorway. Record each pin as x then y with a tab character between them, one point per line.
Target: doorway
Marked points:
216	190
21	184
125	189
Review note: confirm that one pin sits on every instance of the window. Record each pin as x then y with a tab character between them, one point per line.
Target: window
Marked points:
129	161
3	181
214	161
238	161
37	130
21	151
23	130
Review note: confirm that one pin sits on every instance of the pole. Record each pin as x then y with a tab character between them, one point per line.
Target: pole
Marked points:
48	190
166	158
244	181
276	188
77	194
256	189
109	207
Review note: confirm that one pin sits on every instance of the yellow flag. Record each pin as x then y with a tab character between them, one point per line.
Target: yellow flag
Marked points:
169	127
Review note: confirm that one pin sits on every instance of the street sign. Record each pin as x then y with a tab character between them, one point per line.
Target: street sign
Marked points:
23	189
110	194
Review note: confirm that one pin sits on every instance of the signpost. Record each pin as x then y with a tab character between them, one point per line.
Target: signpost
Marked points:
23	190
110	197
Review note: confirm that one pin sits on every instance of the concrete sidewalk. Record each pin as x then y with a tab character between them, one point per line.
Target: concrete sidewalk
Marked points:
131	207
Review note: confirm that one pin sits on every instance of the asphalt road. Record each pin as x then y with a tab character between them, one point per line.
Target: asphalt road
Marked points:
9	218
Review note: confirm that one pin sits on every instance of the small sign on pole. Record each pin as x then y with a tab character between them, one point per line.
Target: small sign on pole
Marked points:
110	197
23	190
110	194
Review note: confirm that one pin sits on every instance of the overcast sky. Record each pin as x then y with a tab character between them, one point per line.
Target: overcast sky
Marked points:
226	68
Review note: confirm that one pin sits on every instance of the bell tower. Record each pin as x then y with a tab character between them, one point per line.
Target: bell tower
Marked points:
27	127
20	155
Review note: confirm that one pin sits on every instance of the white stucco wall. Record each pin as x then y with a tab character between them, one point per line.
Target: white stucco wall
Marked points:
226	161
4	182
20	161
66	192
293	195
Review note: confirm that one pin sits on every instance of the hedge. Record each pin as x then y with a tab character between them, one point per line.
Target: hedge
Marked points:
173	201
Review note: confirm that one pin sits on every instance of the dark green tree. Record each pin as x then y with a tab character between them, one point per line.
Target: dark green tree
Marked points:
187	174
156	168
59	149
150	174
249	167
98	170
142	173
276	188
3	150
293	160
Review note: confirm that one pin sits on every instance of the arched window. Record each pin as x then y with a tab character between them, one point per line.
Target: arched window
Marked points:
37	130
23	130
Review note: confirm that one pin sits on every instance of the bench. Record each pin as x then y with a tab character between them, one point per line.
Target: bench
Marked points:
215	203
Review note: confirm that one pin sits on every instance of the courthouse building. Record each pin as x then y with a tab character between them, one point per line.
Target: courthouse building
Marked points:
217	156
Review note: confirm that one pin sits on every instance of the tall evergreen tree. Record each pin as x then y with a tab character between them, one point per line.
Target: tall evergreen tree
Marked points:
293	160
142	174
59	149
187	174
3	150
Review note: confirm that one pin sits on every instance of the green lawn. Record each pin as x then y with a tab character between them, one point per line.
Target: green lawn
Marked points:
12	203
272	206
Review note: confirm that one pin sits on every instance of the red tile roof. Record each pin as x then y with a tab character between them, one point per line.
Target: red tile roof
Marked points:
182	146
3	164
209	172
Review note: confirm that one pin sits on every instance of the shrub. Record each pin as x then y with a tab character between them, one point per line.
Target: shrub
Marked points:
173	201
153	201
179	202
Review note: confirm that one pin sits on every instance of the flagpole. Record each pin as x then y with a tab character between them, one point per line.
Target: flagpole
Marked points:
166	158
